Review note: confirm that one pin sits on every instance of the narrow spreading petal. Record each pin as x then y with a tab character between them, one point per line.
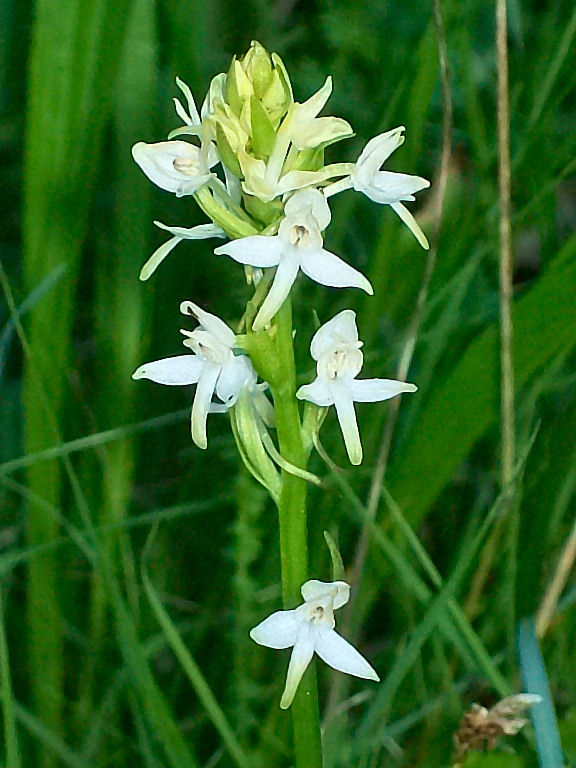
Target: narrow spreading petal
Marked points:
312	106
328	269
340	655
411	223
280	630
199	232
158	257
257	250
301	656
284	278
191	117
340	330
174	371
375	390
201	404
348	424
317	393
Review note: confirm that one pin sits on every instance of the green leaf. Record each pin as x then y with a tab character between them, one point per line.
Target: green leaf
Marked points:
463	406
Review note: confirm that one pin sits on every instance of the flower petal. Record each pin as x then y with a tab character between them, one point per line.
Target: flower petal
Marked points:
315	590
279	630
375	153
312	106
284	278
199	232
174	371
257	250
191	117
202	402
328	269
301	656
375	390
340	330
411	223
340	655
317	392
210	323
172	165
388	187
309	200
158	257
322	130
347	418
236	374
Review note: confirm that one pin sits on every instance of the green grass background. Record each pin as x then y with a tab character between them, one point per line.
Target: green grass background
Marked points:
114	653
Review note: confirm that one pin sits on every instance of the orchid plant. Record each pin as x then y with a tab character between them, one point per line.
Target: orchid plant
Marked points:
253	159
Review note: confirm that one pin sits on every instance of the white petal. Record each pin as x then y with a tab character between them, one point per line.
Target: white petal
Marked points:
284	278
174	371
317	392
322	130
312	106
374	390
340	330
388	187
340	655
347	418
411	223
376	152
158	257
192	118
315	590
160	163
210	323
309	199
328	269
301	656
202	401
257	250
236	374
280	630
200	232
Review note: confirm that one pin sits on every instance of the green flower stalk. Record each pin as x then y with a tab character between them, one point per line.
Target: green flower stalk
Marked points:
253	159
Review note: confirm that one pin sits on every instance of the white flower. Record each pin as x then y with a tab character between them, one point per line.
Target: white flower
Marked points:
336	348
309	629
200	232
176	166
212	366
384	186
297	246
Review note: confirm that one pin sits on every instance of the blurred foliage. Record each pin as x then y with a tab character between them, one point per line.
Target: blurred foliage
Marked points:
88	675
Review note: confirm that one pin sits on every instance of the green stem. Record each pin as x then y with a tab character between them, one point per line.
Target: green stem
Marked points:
272	353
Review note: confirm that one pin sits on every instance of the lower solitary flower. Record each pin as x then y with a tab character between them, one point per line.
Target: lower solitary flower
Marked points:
336	348
213	367
309	629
